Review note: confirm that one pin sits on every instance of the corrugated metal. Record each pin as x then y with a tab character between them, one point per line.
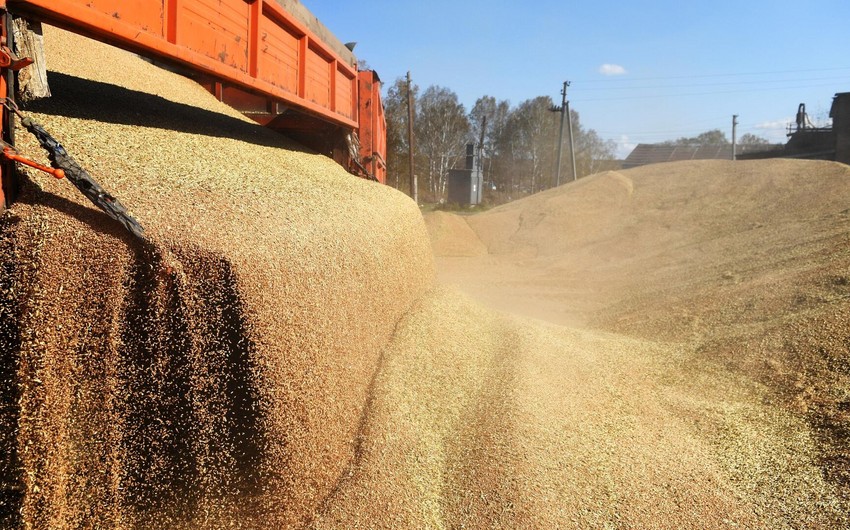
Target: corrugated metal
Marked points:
644	154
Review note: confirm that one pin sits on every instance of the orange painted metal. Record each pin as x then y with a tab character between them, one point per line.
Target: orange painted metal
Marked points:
251	54
7	183
373	125
10	154
254	45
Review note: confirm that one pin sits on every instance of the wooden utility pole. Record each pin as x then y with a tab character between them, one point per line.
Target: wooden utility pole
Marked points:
481	149
561	133
734	137
414	188
570	124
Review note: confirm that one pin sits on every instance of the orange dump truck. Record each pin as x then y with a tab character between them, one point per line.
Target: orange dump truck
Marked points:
270	59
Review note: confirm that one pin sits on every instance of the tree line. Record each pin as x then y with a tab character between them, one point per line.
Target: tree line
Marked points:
718	137
519	144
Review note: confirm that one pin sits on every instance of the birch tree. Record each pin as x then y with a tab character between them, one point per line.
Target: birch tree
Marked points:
442	130
532	131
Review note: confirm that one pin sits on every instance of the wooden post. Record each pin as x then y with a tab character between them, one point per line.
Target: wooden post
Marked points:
561	133
572	142
734	136
29	42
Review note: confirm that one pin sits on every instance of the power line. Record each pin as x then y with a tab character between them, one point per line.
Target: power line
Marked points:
733	83
695	127
704	76
656	96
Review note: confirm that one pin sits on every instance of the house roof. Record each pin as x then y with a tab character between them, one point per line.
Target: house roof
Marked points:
645	154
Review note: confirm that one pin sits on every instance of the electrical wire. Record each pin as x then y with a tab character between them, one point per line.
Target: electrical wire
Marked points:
729	83
689	94
615	79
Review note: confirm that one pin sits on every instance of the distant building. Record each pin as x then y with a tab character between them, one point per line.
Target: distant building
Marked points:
466	185
840	114
820	143
804	141
645	154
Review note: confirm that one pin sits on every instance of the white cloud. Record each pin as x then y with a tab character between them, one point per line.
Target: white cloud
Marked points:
625	146
774	130
775	124
612	69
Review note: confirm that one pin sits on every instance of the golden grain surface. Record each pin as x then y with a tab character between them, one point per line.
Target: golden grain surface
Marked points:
218	374
663	347
737	275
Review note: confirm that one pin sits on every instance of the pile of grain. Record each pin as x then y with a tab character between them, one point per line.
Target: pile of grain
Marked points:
451	236
218	375
741	268
277	356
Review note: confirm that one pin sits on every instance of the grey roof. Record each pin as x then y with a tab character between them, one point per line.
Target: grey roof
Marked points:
645	154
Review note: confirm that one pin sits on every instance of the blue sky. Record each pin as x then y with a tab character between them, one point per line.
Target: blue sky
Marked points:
675	68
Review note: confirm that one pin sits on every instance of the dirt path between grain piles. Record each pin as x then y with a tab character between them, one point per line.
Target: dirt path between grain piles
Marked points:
261	365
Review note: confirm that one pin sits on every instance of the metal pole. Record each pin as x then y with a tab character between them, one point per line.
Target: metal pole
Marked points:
414	188
481	151
734	138
561	133
572	143
8	179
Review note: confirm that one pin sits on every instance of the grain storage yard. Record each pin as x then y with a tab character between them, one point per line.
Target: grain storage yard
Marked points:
664	347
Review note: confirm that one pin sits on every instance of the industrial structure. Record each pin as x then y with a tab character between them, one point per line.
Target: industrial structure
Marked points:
465	185
805	140
270	59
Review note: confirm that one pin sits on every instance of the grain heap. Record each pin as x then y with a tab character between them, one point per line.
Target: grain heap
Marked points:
451	236
278	356
737	273
218	375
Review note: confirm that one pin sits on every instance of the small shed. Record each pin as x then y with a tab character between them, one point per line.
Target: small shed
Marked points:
465	185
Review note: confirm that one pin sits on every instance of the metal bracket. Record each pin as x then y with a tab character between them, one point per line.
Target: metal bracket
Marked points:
9	59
